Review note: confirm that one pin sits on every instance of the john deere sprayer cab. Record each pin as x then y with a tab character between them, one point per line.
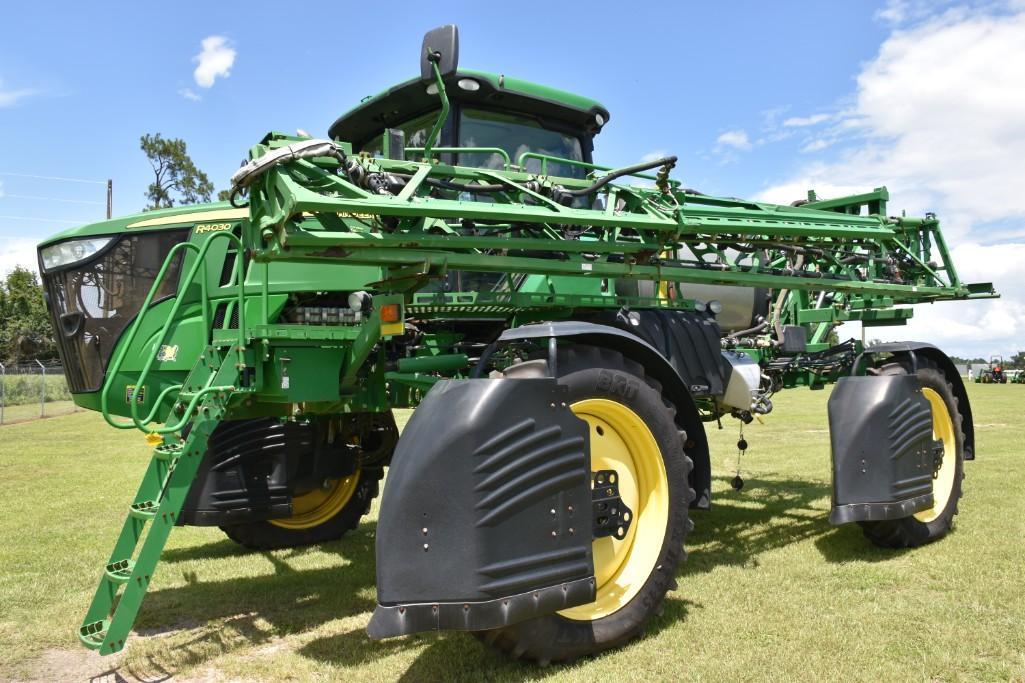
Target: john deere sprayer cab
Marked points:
563	330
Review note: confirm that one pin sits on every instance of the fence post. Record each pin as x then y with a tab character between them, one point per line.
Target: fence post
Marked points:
42	394
3	396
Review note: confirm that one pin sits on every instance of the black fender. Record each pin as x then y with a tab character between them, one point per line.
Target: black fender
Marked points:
911	348
880	432
675	389
487	516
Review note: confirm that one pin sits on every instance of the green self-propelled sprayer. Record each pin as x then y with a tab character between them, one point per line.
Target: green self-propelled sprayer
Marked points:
563	330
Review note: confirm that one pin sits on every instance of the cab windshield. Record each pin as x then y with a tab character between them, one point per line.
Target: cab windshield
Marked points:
514	134
517	136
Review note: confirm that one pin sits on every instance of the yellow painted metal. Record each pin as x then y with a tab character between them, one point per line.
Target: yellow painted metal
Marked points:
621	441
320	505
942	430
192	217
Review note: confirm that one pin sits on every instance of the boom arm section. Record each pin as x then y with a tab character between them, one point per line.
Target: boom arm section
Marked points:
407	215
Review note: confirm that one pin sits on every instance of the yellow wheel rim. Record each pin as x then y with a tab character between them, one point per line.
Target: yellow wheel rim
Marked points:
319	505
621	441
942	430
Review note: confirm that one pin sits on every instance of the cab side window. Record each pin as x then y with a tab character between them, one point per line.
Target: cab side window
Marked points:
416	131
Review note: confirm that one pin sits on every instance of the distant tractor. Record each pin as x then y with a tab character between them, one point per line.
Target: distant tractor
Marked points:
563	330
995	373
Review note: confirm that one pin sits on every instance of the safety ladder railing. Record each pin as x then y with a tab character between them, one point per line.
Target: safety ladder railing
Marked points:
152	514
198	267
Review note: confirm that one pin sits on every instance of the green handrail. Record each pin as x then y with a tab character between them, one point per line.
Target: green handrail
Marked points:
545	158
115	366
467	150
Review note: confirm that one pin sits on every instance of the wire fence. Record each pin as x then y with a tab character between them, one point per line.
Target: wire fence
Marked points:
29	391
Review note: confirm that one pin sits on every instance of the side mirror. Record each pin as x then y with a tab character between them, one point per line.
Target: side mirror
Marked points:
441	46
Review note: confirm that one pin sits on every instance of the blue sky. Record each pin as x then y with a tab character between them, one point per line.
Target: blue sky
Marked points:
757	99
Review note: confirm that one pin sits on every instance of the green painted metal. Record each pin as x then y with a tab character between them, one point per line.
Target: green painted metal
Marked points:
150	518
497	81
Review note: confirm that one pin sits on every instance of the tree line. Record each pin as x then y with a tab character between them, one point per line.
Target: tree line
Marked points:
26	333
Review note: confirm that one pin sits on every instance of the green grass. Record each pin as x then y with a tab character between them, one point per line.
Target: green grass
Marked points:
770	591
31	411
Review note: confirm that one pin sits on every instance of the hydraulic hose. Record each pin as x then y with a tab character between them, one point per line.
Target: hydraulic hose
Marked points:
618	173
458	187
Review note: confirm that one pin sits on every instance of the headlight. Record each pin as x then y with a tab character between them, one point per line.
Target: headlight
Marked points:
72	251
715	307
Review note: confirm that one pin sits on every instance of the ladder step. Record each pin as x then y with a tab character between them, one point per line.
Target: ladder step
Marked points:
167	451
120	571
145	510
92	635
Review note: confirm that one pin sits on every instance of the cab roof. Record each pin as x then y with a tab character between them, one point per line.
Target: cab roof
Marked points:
496	91
175	217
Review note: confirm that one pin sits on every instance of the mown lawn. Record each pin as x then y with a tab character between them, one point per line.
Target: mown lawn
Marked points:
770	591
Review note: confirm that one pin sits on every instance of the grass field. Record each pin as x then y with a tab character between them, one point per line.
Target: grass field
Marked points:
770	591
31	411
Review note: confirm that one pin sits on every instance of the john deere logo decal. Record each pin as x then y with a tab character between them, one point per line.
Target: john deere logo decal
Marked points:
167	353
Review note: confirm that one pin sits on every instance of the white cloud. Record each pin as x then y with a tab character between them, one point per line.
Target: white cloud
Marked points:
654	155
818	144
736	139
9	98
17	251
188	94
215	60
939	117
814	119
978	328
898	12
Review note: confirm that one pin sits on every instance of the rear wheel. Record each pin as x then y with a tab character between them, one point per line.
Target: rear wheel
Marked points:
632	431
934	523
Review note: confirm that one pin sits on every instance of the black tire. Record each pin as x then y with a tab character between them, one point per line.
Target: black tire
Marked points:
987	378
266	535
591	372
910	532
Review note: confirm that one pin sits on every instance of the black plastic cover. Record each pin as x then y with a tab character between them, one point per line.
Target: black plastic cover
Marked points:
795	339
485	520
881	434
952	375
252	467
656	365
689	340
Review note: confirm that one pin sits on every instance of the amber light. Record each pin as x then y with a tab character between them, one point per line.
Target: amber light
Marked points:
390	313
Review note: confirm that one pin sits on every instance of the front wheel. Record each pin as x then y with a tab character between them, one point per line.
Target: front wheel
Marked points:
934	523
632	431
320	515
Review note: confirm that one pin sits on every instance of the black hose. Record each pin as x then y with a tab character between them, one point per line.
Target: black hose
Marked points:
458	187
618	173
753	330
